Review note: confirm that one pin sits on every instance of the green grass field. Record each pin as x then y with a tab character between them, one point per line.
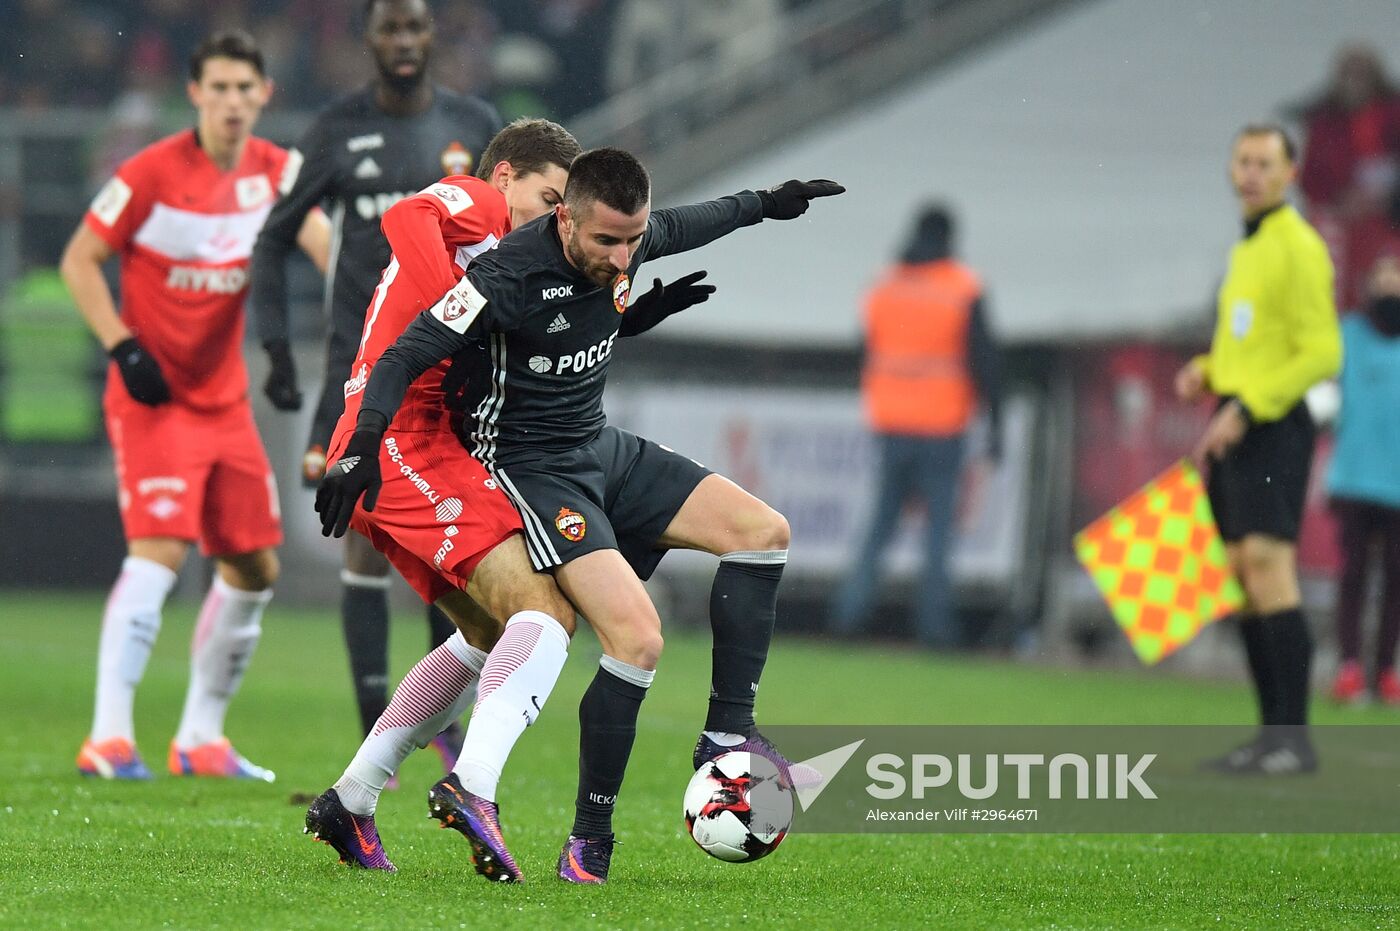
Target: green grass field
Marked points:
186	854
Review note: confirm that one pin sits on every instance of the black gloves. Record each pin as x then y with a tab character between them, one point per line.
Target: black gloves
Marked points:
354	474
791	199
140	372
662	301
281	384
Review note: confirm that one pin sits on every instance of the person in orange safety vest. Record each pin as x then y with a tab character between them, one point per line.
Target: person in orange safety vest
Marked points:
930	359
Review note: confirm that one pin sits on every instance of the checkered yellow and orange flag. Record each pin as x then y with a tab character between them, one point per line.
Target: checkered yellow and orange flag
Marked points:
1160	563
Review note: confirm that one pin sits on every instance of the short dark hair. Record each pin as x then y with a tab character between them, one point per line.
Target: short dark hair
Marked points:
609	175
1290	149
530	146
226	43
368	12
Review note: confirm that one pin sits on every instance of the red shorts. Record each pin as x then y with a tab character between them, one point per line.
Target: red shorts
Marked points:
195	476
439	513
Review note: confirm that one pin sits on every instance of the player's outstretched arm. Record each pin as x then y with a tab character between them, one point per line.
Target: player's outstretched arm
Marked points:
662	301
789	200
679	229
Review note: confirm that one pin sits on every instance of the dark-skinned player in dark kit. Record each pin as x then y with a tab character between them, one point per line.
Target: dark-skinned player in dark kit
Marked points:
363	153
535	321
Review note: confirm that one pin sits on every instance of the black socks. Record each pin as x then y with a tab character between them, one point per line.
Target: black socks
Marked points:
1279	648
743	605
607	718
364	617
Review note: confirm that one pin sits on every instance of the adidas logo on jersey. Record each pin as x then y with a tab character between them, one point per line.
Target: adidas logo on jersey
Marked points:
559	325
368	168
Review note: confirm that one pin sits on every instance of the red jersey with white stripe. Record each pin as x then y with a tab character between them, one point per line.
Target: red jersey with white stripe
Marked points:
434	235
184	229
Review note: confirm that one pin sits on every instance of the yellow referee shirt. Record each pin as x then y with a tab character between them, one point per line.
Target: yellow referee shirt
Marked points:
1276	334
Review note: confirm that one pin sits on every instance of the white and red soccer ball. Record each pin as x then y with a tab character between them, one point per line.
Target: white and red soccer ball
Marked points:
737	808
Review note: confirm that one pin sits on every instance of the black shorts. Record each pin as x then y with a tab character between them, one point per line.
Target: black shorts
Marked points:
1261	484
616	492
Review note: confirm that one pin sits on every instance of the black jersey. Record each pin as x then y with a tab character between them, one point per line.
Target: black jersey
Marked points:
359	161
536	335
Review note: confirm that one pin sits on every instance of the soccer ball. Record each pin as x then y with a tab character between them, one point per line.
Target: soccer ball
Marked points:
736	807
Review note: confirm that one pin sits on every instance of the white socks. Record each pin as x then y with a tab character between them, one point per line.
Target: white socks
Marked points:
129	627
434	693
515	683
224	639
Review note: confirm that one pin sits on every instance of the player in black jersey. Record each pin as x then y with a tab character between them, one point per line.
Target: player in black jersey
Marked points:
535	322
363	153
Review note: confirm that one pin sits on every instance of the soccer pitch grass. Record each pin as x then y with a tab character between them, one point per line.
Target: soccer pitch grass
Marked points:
202	854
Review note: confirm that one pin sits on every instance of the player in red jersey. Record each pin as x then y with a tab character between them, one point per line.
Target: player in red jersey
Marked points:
183	214
446	528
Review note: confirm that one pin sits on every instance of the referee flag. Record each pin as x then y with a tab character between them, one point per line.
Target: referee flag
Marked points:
1160	563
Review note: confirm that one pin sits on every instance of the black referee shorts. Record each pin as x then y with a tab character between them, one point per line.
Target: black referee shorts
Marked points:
618	491
1261	484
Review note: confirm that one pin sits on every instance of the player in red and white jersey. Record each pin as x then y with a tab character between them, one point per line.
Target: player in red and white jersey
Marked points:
446	527
183	215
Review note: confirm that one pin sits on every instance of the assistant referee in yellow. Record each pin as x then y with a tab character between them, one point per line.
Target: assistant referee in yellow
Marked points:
1276	336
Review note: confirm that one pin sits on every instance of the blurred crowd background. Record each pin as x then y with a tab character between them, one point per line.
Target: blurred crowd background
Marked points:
716	91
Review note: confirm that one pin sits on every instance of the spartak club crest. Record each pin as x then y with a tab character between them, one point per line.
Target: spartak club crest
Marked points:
456	160
571	524
621	286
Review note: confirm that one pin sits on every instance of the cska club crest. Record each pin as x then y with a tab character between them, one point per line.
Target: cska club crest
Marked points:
571	524
456	160
621	287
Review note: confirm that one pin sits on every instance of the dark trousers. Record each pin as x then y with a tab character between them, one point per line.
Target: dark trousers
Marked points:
1361	524
925	468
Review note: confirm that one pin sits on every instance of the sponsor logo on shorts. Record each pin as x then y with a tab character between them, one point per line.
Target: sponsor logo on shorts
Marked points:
357	384
571	524
447	545
164	507
621	286
171	483
448	509
391	445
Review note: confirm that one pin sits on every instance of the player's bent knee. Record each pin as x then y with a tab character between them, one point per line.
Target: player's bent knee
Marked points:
169	552
642	650
765	529
251	572
779	531
362	558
